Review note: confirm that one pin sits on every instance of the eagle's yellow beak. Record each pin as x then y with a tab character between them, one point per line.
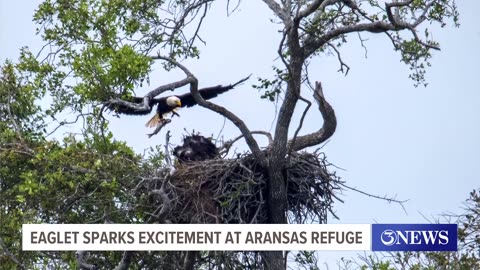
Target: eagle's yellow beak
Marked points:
179	103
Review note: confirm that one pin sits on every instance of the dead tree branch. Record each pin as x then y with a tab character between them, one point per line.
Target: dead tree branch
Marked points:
228	144
168	158
327	129
340	60
281	12
316	6
385	198
304	114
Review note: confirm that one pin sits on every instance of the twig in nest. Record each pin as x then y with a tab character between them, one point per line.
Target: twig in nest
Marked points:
163	209
232	190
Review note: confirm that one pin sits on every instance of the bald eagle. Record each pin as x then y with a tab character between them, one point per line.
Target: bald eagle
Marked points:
168	105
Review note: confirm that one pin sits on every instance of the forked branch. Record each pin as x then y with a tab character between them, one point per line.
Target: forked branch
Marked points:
313	42
327	129
228	144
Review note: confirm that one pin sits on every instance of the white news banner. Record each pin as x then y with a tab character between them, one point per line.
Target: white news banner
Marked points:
196	237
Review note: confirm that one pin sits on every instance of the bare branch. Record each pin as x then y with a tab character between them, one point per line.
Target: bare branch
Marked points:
63	123
234	9
176	63
395	19
168	158
280	50
180	23
328	128
339	56
365	47
282	13
317	5
312	43
228	144
319	10
386	198
312	7
309	104
198	28
170	86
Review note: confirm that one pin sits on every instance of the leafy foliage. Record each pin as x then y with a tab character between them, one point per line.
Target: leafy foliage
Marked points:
47	181
102	49
272	88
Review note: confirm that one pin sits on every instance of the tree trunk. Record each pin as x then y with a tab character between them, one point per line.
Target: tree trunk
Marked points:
277	193
274	260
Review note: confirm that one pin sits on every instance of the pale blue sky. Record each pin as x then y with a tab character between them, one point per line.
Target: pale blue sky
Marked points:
421	144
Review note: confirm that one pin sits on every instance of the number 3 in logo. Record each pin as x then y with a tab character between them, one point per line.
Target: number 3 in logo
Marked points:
389	237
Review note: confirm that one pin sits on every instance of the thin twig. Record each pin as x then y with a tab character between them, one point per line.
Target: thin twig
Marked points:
300	124
228	144
400	202
340	60
168	159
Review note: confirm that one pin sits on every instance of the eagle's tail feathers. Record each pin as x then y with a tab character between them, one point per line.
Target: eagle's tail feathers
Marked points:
155	121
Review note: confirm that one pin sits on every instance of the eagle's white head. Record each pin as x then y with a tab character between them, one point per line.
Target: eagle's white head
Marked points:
174	102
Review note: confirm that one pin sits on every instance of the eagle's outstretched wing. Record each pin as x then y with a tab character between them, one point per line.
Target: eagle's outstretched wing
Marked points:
207	93
136	106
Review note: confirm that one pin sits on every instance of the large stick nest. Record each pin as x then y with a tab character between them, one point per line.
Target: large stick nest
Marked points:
235	190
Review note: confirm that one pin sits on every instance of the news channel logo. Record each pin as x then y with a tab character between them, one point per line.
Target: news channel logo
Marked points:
414	237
